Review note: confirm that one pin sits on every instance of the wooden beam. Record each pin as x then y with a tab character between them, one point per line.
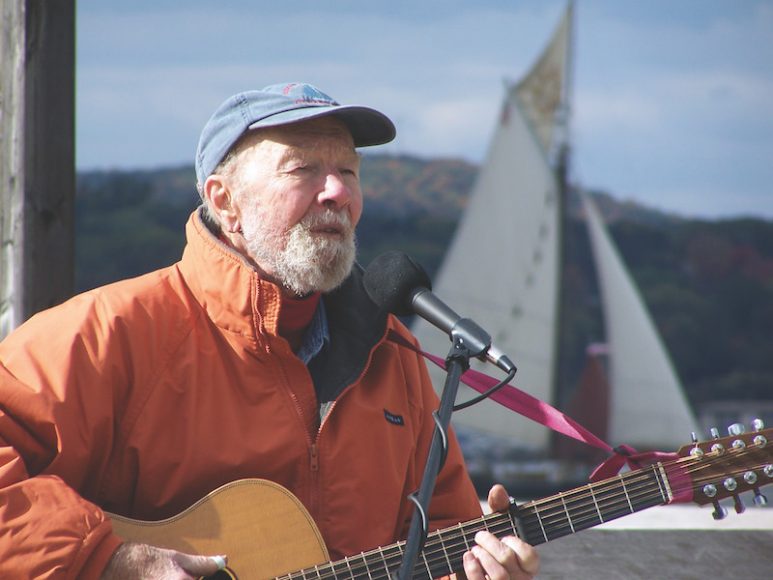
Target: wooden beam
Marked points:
37	157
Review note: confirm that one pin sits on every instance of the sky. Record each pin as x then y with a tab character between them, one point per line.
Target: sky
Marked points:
672	101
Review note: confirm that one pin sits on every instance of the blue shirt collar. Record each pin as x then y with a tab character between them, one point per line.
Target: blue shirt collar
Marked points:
316	335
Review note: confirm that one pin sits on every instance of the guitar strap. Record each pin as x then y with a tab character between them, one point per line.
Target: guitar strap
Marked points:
532	408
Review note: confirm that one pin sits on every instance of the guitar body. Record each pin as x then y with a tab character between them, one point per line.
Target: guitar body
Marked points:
263	529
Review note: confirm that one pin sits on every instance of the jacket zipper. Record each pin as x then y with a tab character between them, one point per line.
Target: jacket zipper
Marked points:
314	492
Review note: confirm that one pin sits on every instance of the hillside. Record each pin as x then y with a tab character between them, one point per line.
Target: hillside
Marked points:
708	284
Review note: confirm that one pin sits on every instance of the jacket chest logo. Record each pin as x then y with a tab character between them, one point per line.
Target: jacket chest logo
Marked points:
393	418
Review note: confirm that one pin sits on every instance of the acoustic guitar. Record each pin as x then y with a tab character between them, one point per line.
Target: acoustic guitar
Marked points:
267	533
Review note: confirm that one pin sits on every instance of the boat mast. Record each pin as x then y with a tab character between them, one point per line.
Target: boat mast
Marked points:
561	163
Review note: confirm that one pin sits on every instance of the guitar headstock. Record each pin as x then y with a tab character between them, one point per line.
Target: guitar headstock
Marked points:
725	467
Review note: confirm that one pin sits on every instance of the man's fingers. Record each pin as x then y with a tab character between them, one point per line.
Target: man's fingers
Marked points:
506	558
490	549
200	565
498	498
528	558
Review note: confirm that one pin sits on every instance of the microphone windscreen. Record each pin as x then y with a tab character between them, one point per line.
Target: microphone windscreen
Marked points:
390	280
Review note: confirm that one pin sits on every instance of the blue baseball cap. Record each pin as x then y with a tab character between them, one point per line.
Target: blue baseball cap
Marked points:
282	104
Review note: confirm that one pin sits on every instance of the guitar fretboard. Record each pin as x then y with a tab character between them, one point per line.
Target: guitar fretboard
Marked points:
585	507
536	522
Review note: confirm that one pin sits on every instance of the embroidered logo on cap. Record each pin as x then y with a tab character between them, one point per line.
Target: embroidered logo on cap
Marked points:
307	95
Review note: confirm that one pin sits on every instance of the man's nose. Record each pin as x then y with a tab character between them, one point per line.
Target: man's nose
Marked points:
336	191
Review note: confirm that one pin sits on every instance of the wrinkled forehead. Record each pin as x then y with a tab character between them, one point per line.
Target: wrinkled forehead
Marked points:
317	134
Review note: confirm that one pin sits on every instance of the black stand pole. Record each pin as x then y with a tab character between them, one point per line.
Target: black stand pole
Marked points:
468	340
457	362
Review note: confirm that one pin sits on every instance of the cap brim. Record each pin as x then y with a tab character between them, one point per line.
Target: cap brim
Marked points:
367	126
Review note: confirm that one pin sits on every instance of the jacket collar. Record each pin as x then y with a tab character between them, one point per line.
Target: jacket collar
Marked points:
226	285
235	298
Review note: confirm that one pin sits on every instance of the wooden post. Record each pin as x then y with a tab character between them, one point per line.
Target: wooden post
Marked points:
37	156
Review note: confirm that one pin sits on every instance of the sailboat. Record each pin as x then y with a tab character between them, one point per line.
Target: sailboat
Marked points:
503	270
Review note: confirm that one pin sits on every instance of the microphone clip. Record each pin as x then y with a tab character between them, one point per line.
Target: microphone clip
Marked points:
469	340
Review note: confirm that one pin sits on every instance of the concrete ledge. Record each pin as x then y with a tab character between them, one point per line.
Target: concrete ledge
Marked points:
621	554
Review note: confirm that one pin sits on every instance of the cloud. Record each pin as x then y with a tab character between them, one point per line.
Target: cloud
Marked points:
672	97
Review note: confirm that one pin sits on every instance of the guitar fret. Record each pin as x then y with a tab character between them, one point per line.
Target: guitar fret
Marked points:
513	526
539	519
568	517
660	485
607	502
444	550
426	564
464	536
612	505
666	483
595	503
383	559
367	568
348	567
625	491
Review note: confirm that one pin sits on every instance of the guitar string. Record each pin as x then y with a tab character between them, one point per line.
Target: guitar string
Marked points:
652	496
356	568
354	565
556	509
677	487
591	516
651	493
604	499
627	480
451	540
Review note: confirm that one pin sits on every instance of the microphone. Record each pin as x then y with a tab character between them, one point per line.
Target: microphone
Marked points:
396	283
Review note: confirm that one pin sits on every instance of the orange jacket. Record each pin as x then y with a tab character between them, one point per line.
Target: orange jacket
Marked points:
143	396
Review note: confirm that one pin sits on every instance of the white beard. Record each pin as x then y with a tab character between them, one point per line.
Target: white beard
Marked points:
299	260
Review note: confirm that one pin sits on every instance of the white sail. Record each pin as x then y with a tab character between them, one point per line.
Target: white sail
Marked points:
501	269
648	408
542	92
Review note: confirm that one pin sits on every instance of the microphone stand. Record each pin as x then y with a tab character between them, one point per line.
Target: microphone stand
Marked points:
469	340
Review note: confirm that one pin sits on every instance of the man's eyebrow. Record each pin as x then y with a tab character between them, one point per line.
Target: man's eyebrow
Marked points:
288	155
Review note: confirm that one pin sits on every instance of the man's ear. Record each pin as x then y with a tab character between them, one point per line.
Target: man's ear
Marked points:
219	197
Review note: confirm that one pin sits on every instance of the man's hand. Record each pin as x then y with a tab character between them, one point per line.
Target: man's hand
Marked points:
497	559
136	561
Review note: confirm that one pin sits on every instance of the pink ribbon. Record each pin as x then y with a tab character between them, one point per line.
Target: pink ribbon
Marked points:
532	408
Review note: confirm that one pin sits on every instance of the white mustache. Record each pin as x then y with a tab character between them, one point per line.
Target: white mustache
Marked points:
329	219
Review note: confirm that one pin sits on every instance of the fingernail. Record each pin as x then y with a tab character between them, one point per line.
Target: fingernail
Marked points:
220	561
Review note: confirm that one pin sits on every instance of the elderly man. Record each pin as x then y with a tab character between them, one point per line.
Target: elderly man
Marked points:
258	355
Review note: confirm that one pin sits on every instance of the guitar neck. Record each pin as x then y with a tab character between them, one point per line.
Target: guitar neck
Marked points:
535	522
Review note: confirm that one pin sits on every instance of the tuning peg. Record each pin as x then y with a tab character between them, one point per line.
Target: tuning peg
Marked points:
758	424
759	499
719	513
695	451
738	504
736	429
717	448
